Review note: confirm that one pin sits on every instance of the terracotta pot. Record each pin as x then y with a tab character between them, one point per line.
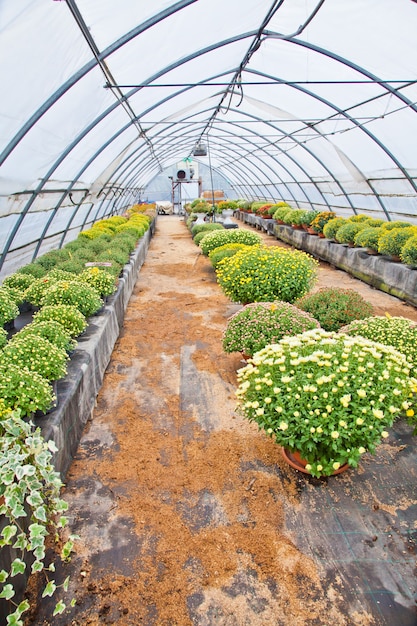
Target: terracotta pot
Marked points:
311	231
371	251
297	462
321	236
395	258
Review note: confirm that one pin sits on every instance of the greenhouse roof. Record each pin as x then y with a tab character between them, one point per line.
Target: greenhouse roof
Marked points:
309	101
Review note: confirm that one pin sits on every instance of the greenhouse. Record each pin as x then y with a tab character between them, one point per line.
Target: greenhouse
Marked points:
208	305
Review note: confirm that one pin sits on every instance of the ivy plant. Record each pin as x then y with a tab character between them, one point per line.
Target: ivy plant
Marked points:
30	500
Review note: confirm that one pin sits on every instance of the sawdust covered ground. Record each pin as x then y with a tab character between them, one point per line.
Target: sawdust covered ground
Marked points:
179	503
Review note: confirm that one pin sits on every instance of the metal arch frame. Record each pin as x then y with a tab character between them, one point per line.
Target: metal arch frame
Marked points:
364	72
264	150
163	15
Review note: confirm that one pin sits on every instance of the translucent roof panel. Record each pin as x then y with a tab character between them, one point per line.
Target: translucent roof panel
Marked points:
309	101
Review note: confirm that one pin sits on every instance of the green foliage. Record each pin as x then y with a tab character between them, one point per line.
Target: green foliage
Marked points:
19	283
266	273
74	293
281	212
68	316
359	217
334	306
32	507
226	235
50	330
347	232
3	338
8	308
37	354
99	279
409	251
205	228
395	224
328	396
308	217
228	250
22	389
321	219
33	269
261	323
292	216
332	226
393	240
368	237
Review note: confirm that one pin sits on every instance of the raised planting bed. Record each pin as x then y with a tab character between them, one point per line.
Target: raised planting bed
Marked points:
377	270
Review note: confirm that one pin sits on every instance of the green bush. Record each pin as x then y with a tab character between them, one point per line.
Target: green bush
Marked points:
334	307
395	224
74	293
409	251
228	250
69	316
22	389
359	217
308	217
3	338
226	235
101	280
266	273
205	228
292	216
347	232
37	355
281	212
368	238
8	308
393	240
261	323
50	330
330	229
19	283
33	269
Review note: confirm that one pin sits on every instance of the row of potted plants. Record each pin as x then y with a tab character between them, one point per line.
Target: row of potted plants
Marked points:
397	239
65	287
320	387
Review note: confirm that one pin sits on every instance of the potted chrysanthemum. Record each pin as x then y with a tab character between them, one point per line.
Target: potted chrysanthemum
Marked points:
328	397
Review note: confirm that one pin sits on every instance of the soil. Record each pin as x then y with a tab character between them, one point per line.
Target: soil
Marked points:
179	504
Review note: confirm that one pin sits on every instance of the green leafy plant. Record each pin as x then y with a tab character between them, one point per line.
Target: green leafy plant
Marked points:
3	338
221	237
393	240
332	226
329	396
68	316
50	330
19	283
347	232
308	217
409	252
266	273
395	224
74	293
22	389
205	228
33	509
281	211
222	252
35	293
334	306
358	217
261	323
293	217
321	219
98	278
368	238
8	307
37	354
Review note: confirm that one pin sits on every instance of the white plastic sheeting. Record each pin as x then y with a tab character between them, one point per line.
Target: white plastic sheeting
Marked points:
310	101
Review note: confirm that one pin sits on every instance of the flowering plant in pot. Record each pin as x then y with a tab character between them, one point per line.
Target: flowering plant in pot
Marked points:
392	241
266	273
220	237
328	396
321	219
67	315
281	211
37	355
409	252
368	238
307	217
261	323
52	331
332	226
85	298
334	306
228	250
101	280
8	307
347	232
22	389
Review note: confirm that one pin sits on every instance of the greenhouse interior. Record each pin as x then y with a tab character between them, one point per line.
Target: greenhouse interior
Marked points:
208	305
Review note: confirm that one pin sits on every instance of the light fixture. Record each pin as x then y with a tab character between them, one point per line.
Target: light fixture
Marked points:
200	150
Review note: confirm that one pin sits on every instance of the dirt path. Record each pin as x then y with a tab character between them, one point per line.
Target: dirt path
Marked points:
179	504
